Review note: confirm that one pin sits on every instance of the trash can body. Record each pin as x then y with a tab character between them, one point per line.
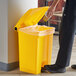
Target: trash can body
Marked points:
35	49
30	51
35	41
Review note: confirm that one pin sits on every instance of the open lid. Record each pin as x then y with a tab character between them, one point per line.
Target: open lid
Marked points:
31	17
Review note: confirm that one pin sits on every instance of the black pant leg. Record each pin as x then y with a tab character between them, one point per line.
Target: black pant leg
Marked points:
67	32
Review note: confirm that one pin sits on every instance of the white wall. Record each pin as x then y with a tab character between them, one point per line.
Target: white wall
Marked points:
16	8
10	12
4	31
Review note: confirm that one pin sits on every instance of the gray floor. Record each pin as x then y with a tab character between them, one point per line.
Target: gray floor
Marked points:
70	72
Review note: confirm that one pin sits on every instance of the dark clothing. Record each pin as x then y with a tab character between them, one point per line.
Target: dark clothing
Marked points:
67	33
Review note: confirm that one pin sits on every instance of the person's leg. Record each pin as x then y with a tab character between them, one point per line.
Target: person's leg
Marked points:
67	32
74	65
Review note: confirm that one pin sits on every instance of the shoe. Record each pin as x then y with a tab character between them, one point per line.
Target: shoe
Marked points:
54	69
73	66
43	70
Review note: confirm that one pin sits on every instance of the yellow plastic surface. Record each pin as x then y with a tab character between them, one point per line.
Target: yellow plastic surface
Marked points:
35	42
31	17
35	50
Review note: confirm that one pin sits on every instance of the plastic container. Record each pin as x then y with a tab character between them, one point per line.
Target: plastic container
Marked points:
35	48
35	41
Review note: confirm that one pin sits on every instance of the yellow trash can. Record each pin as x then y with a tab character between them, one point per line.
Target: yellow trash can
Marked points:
35	41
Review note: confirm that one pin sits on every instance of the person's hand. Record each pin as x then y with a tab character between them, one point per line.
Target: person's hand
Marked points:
50	12
45	18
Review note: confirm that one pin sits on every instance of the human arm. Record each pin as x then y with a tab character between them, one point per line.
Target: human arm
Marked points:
51	10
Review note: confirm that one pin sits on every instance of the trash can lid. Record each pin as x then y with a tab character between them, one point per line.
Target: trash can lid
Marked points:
31	17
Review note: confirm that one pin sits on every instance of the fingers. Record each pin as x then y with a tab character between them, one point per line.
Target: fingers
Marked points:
45	18
50	12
